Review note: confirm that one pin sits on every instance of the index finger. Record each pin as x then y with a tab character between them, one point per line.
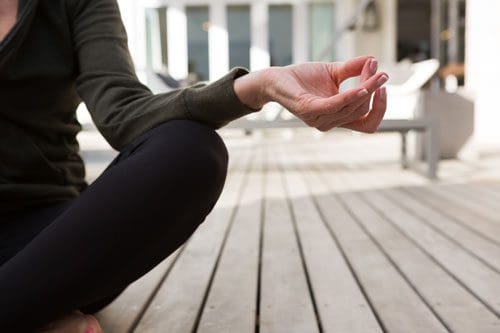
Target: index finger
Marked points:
375	82
351	68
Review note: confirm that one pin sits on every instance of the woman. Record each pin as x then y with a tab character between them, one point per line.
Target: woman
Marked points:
67	249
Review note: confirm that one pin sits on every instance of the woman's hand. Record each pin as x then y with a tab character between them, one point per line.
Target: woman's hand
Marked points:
311	92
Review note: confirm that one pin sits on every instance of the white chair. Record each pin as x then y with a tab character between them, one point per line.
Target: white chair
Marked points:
404	109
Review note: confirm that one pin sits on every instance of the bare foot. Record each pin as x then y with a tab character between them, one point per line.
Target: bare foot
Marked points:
76	322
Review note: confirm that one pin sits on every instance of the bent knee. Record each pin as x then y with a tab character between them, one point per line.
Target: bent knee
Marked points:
193	152
197	142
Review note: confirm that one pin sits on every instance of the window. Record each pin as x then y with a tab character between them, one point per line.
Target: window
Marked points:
321	30
197	34
238	27
414	29
280	34
156	38
162	13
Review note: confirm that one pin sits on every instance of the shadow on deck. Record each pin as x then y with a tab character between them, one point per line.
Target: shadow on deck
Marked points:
328	234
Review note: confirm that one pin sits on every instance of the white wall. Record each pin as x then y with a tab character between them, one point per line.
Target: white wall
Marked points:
381	43
483	71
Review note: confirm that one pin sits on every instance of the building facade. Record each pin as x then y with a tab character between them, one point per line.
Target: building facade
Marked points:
208	37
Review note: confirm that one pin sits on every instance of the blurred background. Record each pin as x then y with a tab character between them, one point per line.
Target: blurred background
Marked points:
175	43
354	224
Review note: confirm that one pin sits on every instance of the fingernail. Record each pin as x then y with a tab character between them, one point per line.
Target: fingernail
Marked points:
362	93
374	66
383	79
89	330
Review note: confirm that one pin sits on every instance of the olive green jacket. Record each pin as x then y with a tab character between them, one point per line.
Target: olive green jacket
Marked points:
59	53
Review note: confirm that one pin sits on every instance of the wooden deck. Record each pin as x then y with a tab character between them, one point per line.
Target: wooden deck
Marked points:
328	234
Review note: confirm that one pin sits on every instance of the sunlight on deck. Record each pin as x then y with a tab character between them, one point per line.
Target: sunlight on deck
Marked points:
326	233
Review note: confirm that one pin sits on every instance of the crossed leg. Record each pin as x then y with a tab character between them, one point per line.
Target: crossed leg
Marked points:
141	209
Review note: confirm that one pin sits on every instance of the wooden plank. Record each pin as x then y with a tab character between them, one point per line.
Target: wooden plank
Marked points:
479	278
340	302
486	191
485	227
482	198
494	185
285	301
472	241
468	202
458	309
121	315
397	305
177	303
232	301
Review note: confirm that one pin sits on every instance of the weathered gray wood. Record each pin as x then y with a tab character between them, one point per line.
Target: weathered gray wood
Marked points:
479	278
480	192
397	305
120	315
493	186
488	190
285	303
176	305
348	273
458	309
341	304
232	301
480	246
487	228
475	194
473	204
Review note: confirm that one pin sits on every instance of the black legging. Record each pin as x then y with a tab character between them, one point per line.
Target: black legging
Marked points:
81	254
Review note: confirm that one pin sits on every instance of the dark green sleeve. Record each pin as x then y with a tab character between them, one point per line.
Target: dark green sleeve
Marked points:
123	108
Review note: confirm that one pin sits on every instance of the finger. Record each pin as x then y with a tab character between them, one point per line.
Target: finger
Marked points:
370	122
329	105
351	109
362	108
349	112
350	68
369	70
375	82
326	110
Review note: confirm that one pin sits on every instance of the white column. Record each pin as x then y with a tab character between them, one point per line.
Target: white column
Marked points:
300	31
218	41
127	11
177	41
482	71
156	64
389	23
138	48
346	44
259	51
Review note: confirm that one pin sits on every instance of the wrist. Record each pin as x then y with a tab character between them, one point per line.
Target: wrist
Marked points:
252	89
